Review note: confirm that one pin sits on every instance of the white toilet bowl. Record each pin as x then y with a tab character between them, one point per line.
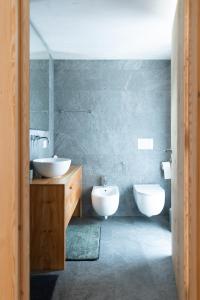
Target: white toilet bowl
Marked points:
105	200
150	198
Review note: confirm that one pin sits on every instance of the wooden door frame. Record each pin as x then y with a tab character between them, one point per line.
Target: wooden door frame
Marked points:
191	284
19	13
189	268
24	161
196	226
14	150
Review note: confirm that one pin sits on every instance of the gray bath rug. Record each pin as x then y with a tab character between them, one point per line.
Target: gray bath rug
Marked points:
83	242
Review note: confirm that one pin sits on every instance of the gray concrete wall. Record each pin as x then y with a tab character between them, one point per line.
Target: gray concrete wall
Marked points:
101	109
39	94
42	105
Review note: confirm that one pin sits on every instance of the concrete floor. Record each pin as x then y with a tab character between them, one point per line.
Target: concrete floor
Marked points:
135	263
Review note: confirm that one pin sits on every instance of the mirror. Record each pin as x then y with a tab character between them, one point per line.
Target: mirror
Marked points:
39	82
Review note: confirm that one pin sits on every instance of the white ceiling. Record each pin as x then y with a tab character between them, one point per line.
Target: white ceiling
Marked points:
37	48
105	29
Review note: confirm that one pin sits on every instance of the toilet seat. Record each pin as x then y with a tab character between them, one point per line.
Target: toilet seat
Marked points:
148	189
150	198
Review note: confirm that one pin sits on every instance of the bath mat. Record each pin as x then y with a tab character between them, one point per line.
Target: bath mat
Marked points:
42	287
83	242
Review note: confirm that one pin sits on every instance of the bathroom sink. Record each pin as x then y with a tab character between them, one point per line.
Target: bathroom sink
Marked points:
52	167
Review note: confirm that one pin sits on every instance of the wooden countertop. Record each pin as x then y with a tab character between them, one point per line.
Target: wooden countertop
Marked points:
57	180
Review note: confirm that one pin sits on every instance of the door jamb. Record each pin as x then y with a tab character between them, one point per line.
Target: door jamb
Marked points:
23	96
191	123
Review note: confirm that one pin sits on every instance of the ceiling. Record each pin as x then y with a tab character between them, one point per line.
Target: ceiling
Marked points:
105	29
38	49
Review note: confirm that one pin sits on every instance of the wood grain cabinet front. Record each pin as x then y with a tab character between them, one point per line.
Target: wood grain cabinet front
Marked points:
53	202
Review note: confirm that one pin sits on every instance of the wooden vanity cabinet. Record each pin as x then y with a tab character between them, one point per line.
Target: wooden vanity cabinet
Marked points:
53	201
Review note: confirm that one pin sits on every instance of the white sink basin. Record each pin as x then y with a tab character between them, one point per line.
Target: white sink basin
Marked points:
52	167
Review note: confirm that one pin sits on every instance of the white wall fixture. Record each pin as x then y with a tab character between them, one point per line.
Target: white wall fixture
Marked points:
105	200
145	144
150	198
166	167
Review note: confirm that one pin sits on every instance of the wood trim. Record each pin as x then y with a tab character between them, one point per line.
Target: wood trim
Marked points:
186	157
189	288
197	234
180	147
14	150
9	274
191	149
24	91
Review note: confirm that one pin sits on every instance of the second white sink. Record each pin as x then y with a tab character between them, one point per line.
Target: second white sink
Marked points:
52	167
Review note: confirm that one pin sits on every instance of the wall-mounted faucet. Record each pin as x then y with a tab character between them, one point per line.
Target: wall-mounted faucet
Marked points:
36	138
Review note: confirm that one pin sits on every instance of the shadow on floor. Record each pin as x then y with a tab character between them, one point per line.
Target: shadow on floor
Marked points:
42	286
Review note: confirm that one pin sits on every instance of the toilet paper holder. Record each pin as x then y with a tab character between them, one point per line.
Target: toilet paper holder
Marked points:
168	150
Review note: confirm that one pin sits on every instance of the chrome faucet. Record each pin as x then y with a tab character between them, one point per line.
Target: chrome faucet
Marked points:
35	138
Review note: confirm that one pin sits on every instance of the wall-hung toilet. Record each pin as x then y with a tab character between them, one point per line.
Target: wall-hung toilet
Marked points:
150	198
105	200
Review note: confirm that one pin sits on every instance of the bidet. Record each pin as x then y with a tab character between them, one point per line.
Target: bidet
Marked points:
105	200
